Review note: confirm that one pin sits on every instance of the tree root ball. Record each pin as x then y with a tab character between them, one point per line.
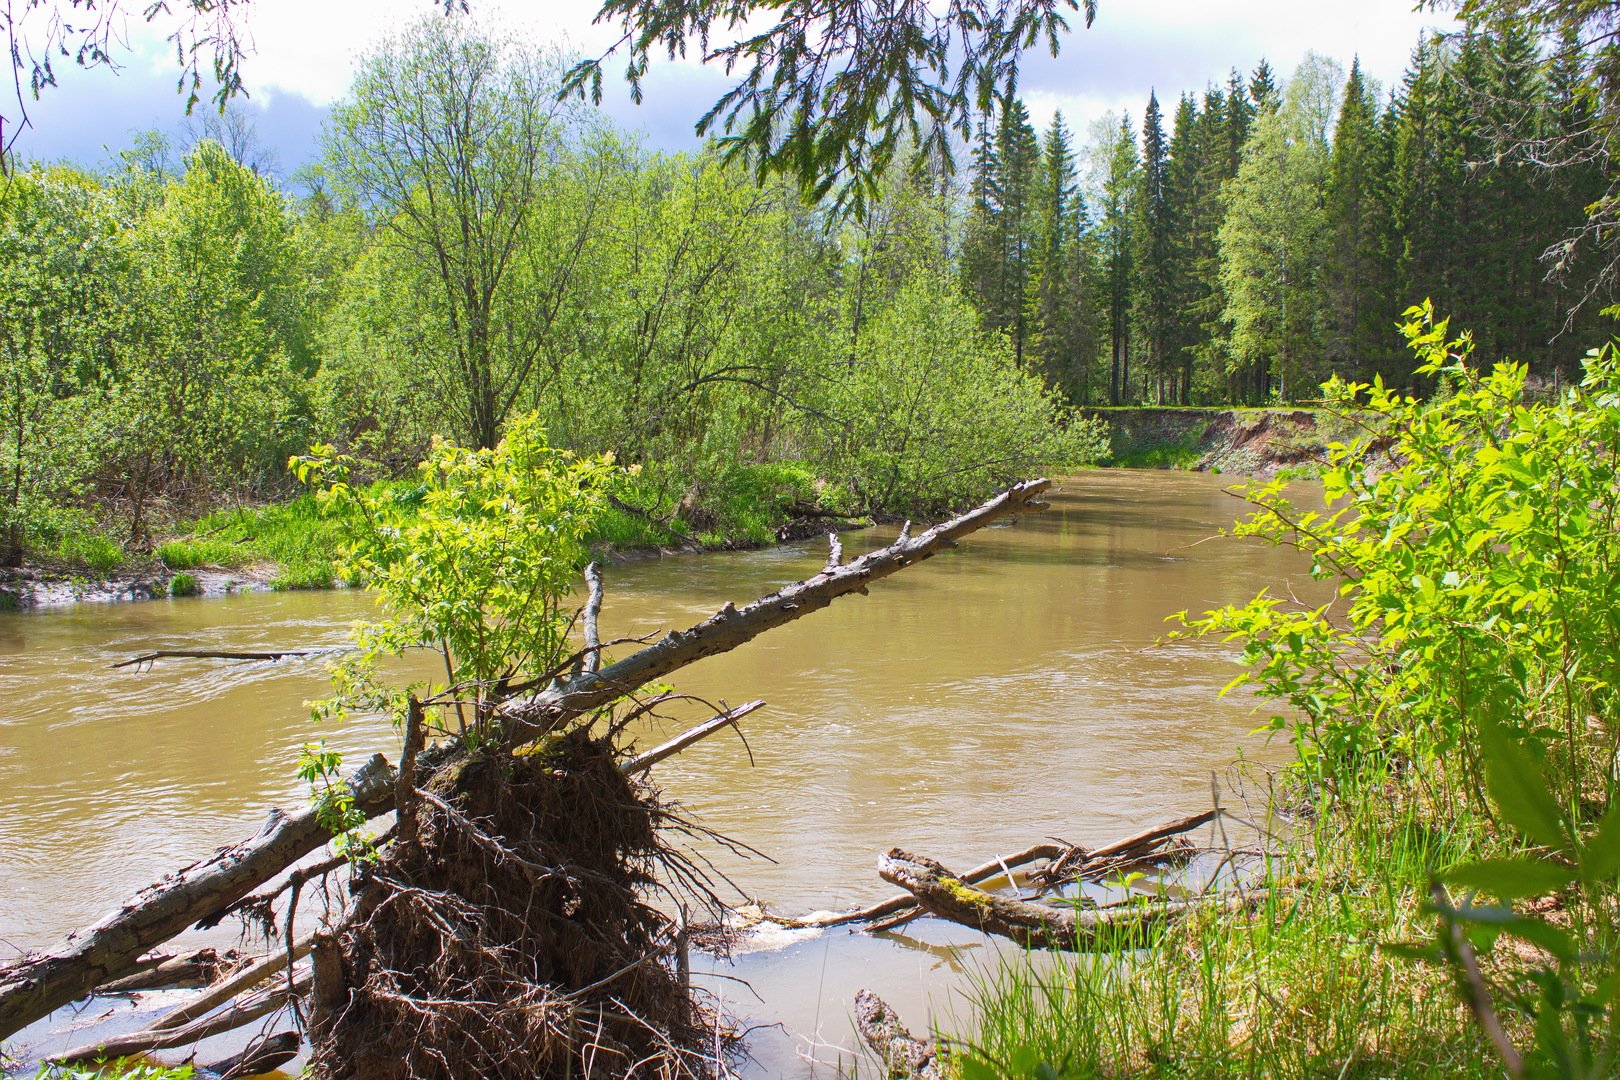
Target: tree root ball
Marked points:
513	938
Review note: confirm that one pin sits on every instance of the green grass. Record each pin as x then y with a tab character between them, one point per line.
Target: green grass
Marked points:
292	535
1299	985
1181	455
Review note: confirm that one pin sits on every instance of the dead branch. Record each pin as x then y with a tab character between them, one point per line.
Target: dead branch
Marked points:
1065	862
591	659
238	1015
903	1055
835	552
220	993
1034	926
642	762
217	654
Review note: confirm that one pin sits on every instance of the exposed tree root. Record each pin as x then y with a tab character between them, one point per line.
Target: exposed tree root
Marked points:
512	938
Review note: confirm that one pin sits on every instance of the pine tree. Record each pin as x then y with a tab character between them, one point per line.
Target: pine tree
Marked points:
1060	303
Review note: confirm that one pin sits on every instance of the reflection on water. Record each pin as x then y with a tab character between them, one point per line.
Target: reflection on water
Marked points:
1004	692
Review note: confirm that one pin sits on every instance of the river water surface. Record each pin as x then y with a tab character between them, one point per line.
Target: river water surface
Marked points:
996	695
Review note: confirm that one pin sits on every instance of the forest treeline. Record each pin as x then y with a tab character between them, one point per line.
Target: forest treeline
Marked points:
470	249
1254	240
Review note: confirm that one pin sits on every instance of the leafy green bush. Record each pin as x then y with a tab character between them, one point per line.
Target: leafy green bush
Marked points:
183	585
1471	668
931	413
475	560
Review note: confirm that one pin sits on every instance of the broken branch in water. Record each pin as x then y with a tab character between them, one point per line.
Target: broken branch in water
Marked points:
642	762
1064	862
220	654
1034	926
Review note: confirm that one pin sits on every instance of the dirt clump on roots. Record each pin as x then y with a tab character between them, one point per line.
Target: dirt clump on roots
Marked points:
512	939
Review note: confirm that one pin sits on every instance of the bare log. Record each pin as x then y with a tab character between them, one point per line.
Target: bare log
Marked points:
38	983
643	762
240	1014
1034	926
903	1055
533	715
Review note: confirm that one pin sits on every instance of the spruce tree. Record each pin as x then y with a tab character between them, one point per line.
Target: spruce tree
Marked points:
1153	229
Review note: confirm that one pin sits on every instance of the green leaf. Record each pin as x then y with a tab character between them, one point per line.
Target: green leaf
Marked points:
1600	861
1519	787
1510	879
1542	934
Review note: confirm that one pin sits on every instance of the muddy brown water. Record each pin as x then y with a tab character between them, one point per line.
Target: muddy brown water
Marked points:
1001	693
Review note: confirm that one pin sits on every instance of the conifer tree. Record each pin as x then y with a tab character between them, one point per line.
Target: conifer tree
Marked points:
1154	228
1359	284
1121	189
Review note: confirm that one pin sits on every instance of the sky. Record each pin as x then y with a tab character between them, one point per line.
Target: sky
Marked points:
304	52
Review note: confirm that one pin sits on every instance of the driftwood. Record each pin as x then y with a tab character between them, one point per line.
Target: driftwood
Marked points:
215	654
903	1056
38	983
1034	926
1064	862
167	972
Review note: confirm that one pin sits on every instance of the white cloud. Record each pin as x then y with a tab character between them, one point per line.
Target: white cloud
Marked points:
309	48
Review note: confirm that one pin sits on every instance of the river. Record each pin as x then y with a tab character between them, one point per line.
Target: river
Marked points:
1001	693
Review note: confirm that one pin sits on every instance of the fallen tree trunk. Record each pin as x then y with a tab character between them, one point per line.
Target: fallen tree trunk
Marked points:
534	715
37	984
1034	926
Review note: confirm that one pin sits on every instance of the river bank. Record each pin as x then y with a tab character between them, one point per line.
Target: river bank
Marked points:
1262	443
289	545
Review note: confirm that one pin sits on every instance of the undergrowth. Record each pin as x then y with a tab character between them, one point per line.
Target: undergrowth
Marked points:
1451	905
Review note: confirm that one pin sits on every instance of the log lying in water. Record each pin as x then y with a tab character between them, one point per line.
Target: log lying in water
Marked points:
1034	926
36	984
533	715
1064	862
